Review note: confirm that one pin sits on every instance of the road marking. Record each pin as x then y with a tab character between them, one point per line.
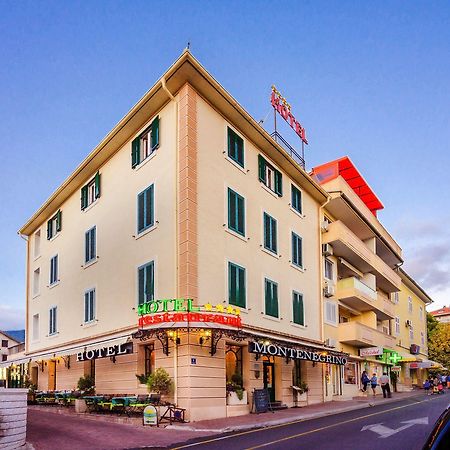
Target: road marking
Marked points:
271	427
385	432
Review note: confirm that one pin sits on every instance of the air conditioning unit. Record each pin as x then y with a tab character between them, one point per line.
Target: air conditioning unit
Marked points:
324	226
330	342
408	323
327	250
328	291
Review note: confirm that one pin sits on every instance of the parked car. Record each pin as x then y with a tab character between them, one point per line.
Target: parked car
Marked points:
439	438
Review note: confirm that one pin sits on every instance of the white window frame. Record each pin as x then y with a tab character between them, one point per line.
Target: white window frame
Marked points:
411	333
36	282
37	244
325	271
410	305
36	327
397	326
87	236
54	321
91	198
91	309
52	283
334	307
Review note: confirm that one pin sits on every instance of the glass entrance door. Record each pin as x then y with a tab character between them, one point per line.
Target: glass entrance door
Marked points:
269	378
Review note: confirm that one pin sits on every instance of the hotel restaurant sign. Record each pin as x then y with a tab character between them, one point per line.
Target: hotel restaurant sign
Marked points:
294	353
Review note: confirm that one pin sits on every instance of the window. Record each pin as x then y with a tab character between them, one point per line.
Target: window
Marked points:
420	312
271	298
297	373
90	192
36	281
422	338
350	373
411	332
395	297
4	357
52	322
54	270
270	233
5	343
328	269
35	327
298	311
90	245
236	212
149	359
296	199
37	243
410	306
146	209
146	281
236	285
235	147
330	312
89	306
233	361
297	254
53	226
270	176
145	144
397	326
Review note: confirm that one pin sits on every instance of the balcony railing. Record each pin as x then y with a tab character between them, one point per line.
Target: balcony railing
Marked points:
360	335
288	148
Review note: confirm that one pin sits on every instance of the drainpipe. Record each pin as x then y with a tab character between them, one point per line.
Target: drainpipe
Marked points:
175	347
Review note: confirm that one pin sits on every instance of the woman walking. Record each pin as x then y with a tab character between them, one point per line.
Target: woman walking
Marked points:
374	383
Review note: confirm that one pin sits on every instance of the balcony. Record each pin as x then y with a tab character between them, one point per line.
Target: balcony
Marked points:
360	335
348	246
356	295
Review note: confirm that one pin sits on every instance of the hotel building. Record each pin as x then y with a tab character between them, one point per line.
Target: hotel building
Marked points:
187	198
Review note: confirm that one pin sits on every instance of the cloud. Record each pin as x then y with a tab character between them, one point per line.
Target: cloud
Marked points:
11	318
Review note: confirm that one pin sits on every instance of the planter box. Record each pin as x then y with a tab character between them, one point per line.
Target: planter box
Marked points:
232	399
80	405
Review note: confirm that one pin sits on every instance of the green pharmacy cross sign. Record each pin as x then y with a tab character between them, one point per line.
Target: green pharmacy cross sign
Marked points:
389	357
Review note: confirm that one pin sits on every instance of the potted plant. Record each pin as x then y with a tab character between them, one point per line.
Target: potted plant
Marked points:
236	393
302	393
86	386
142	378
160	382
32	388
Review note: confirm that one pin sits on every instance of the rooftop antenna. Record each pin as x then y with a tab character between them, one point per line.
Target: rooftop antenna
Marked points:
188	45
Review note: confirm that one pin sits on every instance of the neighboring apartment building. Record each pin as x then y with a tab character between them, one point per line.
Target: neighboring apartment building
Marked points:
410	330
359	261
442	314
189	198
6	342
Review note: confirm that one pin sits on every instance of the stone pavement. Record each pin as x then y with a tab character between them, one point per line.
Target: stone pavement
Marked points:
60	428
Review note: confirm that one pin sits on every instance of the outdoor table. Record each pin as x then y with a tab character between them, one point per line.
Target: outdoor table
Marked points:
123	401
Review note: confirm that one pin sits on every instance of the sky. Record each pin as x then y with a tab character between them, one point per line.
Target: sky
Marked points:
366	79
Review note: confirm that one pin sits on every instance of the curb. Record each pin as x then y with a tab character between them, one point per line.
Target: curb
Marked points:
285	420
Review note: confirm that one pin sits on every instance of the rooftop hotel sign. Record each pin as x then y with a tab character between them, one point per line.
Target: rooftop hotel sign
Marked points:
294	353
283	108
183	311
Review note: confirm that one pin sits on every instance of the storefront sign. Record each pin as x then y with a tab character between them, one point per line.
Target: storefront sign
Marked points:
284	109
150	415
421	365
106	352
371	351
293	353
180	310
396	368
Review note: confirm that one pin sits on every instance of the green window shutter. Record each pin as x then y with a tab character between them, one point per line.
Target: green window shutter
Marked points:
236	285
262	169
271	293
84	197
149	206
135	152
240	151
298	309
141	212
149	282
297	256
274	235
236	212
230	144
141	285
278	183
235	147
266	231
240	214
241	288
275	299
231	210
58	220
49	229
155	133
97	185
296	199
268	298
86	246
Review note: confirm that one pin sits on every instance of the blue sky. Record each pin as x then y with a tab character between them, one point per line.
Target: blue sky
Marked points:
366	79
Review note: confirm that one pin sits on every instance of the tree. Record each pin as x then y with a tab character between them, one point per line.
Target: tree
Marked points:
432	324
439	344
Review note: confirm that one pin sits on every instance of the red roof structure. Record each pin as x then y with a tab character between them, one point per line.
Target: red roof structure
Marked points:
346	169
444	311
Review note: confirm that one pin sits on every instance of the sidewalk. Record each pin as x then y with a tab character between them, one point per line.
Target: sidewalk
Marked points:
251	421
61	428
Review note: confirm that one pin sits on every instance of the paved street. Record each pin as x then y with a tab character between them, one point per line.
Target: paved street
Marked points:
400	425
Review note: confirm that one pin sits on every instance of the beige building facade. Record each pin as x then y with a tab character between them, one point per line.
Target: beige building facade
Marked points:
187	198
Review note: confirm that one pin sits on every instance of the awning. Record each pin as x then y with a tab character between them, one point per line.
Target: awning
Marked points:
16	362
92	345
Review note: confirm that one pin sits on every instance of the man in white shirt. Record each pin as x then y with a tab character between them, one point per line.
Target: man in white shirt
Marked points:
384	382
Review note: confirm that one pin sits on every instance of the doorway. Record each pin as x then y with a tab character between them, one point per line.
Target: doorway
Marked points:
51	375
269	378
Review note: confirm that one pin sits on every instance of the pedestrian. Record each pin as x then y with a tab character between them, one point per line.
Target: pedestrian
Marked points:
384	382
440	388
426	386
448	381
364	380
374	383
